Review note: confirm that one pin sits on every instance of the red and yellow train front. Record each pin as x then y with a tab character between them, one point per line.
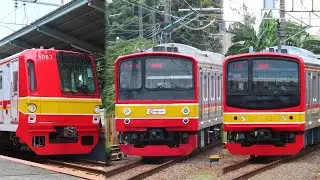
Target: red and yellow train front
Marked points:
264	106
58	102
156	104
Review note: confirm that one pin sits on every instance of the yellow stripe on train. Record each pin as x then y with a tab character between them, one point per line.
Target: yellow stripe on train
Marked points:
156	110
272	117
45	105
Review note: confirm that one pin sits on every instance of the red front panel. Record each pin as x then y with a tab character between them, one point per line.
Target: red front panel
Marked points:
48	85
169	124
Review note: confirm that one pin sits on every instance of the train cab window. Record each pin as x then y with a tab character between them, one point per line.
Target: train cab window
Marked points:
15	81
76	73
32	75
131	74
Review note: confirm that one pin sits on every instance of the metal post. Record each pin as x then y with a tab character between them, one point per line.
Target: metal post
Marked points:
167	20
222	31
281	30
153	22
140	23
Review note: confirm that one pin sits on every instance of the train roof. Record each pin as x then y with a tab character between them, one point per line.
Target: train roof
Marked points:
205	57
307	56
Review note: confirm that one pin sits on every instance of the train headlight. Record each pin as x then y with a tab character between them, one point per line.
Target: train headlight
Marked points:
126	111
96	109
32	108
283	117
243	118
185	111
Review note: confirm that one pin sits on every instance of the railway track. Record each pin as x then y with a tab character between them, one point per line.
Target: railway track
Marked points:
253	166
138	169
90	167
81	168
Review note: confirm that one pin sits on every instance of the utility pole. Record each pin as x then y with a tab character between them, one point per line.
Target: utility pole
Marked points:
281	30
167	20
153	22
222	30
140	23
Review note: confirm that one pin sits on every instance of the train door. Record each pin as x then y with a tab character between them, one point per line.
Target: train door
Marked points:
6	92
14	92
1	96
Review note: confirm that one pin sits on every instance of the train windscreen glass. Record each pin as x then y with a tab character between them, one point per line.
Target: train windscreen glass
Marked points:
263	84
162	78
76	73
164	73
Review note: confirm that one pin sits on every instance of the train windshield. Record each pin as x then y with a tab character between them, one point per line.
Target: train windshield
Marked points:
76	73
156	78
263	84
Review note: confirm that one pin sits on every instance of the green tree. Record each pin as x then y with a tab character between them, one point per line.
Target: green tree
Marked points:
123	47
246	36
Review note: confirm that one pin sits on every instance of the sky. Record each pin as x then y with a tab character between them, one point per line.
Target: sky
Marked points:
12	20
255	7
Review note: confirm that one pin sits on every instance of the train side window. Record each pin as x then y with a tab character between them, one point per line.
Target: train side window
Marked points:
219	87
308	88
314	90
205	90
201	87
212	87
32	76
209	88
1	81
15	81
318	86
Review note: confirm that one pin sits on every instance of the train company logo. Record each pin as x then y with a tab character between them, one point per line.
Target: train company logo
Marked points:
156	111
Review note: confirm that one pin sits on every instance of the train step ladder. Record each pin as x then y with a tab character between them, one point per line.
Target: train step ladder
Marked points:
116	154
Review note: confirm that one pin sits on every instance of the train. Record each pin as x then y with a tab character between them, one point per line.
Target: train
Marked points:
271	102
168	100
50	102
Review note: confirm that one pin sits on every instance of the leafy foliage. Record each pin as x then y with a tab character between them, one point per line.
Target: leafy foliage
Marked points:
122	25
114	51
246	36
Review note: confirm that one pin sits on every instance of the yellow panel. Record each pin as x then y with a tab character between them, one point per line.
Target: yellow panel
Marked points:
298	117
171	110
59	105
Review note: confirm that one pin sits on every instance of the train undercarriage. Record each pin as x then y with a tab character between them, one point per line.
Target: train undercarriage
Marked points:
262	137
160	142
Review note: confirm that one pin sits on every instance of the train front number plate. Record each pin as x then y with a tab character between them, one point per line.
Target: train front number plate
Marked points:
156	111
